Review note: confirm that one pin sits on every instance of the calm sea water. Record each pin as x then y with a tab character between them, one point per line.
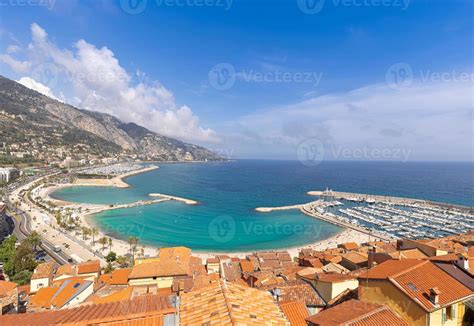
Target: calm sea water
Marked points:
225	219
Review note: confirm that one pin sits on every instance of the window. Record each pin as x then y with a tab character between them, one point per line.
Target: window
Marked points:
450	312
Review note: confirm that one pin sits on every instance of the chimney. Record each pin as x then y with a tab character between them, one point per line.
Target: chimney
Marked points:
463	261
434	295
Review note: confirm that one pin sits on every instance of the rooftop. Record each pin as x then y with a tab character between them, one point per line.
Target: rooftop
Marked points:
355	312
415	278
87	267
44	270
227	303
295	311
142	308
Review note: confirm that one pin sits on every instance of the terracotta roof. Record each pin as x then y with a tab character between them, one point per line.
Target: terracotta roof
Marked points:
68	290
212	261
299	291
295	311
334	268
121	295
44	270
407	254
131	311
349	246
6	287
120	276
356	313
66	269
390	267
105	279
247	266
355	257
87	267
416	278
42	298
172	262
334	278
227	303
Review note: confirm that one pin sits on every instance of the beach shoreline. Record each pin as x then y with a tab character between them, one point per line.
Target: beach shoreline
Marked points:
121	247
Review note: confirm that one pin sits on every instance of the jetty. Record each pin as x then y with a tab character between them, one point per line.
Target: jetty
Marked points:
183	200
316	203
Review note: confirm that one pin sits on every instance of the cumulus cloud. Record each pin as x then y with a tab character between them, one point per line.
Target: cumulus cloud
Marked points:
428	121
98	82
40	88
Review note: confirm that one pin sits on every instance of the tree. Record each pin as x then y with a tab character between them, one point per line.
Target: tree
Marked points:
22	277
111	256
34	239
122	261
110	244
94	232
24	258
103	241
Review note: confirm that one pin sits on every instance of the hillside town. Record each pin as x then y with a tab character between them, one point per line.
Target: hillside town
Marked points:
407	282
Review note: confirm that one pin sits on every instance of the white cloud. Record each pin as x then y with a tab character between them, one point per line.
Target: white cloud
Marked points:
431	121
96	81
40	88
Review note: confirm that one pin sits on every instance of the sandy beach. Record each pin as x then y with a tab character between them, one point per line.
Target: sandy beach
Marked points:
122	247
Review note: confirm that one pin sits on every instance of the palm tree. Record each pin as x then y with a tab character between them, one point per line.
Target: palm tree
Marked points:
94	232
103	241
110	244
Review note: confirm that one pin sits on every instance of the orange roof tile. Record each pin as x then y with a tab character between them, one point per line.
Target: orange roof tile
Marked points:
105	278
42	298
66	269
295	311
416	278
247	266
68	290
334	278
407	254
6	287
355	257
172	262
120	276
121	295
87	267
141	308
227	303
349	246
356	313
44	270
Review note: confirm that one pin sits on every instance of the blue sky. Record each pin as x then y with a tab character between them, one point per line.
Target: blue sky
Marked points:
356	77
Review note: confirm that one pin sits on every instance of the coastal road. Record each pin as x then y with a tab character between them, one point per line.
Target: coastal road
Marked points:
22	230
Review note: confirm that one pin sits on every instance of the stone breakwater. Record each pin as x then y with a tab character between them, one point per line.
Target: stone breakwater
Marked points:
183	200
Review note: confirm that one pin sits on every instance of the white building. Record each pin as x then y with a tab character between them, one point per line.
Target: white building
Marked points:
8	174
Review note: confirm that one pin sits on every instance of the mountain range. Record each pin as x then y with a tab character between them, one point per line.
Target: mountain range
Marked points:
28	116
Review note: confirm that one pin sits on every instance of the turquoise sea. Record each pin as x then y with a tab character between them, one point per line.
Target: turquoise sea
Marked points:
228	193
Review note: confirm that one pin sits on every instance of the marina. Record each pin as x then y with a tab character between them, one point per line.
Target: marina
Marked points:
392	217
